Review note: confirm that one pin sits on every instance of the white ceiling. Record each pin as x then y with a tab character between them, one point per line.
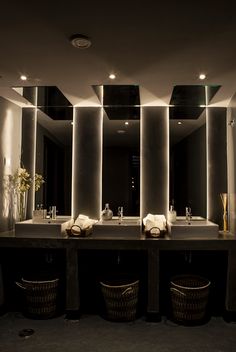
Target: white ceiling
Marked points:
153	44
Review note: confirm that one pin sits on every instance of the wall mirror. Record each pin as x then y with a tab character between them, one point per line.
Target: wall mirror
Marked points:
188	157
54	161
121	147
53	145
121	165
188	178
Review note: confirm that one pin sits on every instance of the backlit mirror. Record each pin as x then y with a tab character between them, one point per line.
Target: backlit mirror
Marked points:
188	179
53	145
188	149
121	165
121	147
54	161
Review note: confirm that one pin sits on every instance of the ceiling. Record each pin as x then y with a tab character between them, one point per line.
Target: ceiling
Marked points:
153	44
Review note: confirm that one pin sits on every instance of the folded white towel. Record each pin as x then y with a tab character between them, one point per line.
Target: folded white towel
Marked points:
84	222
154	221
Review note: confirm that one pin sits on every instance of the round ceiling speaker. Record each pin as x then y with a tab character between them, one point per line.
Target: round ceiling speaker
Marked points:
80	41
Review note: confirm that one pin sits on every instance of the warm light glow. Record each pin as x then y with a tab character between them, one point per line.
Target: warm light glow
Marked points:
112	76
73	167
126	122
23	78
167	159
179	123
207	156
202	76
141	162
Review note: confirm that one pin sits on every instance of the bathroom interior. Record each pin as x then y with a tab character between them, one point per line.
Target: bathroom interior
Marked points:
121	154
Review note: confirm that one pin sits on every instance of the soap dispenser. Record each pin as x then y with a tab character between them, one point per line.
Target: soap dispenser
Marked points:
107	213
172	214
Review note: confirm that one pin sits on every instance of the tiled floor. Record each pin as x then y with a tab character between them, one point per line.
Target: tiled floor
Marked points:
94	334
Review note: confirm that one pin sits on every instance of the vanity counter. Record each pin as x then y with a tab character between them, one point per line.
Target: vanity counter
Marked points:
73	246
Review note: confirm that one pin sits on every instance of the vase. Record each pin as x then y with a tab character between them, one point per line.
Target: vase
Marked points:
224	200
21	205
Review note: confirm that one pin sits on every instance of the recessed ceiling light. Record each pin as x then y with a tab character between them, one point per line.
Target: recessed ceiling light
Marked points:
126	122
80	41
112	76
23	77
202	76
179	123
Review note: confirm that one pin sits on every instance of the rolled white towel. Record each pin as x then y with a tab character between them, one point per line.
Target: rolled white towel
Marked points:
84	222
157	220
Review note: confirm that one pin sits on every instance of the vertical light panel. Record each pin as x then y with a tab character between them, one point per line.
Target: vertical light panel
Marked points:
73	167
154	160
10	150
28	150
208	206
87	161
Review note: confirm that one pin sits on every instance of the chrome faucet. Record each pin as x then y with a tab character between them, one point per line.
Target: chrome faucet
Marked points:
188	215
120	214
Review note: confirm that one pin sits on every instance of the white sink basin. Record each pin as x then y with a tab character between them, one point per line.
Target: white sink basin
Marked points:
199	228
43	227
129	227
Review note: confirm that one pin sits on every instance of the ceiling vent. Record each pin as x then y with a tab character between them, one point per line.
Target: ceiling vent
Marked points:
80	41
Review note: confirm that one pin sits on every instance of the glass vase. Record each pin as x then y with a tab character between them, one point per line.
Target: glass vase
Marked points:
21	206
224	200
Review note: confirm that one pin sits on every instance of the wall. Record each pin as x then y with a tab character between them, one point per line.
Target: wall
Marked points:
10	153
154	160
87	159
231	138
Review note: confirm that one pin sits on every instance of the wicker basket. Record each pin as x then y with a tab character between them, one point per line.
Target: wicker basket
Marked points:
40	297
120	300
189	296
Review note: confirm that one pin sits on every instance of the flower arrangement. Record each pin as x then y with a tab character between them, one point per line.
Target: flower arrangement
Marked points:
20	182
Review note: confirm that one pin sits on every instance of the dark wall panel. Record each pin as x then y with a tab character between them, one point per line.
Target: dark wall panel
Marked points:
86	178
154	164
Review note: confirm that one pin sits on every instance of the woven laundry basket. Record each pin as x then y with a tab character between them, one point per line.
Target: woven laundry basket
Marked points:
120	300
40	297
189	297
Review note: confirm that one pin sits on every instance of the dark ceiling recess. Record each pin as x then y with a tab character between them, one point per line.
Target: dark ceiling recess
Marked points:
189	101
123	112
185	112
121	102
120	95
50	100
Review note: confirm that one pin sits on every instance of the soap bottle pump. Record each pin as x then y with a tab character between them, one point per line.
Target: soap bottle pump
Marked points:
172	214
107	213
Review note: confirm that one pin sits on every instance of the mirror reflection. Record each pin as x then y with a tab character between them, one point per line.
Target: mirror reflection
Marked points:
188	179
53	145
54	161
121	165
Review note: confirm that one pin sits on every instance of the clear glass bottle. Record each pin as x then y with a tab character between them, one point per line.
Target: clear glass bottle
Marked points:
107	213
172	214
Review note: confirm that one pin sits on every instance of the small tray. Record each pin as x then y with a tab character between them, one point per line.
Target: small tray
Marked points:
77	231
